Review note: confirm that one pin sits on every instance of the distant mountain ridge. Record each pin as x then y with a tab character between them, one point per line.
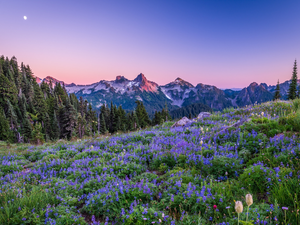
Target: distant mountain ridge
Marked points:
175	94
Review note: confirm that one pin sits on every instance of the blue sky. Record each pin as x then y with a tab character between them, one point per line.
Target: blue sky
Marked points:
225	43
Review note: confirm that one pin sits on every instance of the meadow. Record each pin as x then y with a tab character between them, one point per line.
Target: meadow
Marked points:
161	175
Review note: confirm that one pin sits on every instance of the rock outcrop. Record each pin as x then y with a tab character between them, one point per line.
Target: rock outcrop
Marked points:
203	115
184	121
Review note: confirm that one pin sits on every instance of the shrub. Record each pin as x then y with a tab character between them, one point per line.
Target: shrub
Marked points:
287	193
257	178
223	164
291	121
28	205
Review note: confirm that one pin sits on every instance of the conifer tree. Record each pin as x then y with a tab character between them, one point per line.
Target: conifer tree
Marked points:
292	92
113	121
98	124
165	113
102	124
81	107
7	91
135	121
5	132
142	115
67	120
16	72
54	127
81	125
11	116
39	101
129	121
37	112
37	135
157	119
22	105
122	114
118	125
277	92
26	129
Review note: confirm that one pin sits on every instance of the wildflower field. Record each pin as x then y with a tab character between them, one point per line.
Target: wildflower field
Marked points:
197	174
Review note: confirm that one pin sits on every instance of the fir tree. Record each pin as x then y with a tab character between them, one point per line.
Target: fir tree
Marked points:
135	121
81	123
98	124
118	126
54	127
5	132
27	129
7	91
277	92
39	102
113	122
165	113
67	120
292	92
37	135
142	115
102	124
11	116
157	119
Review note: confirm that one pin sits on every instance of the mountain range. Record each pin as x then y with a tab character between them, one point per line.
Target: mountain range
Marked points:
176	94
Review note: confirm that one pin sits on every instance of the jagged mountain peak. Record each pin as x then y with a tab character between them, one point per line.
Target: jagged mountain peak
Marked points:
253	84
144	84
140	78
182	82
120	79
177	93
178	81
53	80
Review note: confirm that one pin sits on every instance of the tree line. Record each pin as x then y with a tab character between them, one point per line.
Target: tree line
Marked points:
32	112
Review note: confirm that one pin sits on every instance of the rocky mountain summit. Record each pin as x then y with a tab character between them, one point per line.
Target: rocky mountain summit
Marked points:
176	94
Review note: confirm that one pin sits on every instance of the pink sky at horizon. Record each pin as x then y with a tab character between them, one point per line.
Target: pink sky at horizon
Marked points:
61	72
228	44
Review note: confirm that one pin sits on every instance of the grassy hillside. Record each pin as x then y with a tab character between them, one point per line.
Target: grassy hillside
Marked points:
162	175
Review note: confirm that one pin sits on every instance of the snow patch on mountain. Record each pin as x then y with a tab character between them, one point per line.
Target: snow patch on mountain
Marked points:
139	98
121	85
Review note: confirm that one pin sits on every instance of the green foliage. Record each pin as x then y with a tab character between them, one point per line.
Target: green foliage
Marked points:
142	115
37	135
5	132
264	125
138	215
291	121
277	92
287	193
192	109
296	104
255	178
32	205
292	92
222	165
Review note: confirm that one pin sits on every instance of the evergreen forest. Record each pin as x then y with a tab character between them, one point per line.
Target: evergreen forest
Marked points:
32	112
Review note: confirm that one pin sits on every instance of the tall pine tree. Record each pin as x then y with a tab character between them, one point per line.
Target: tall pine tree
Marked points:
292	92
102	124
277	92
5	132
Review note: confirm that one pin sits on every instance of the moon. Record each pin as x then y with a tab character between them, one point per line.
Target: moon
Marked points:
25	17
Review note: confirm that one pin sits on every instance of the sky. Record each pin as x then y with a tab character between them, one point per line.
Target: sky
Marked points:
226	43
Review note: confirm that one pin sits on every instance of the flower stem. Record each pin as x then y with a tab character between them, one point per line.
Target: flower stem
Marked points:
285	216
238	218
247	213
